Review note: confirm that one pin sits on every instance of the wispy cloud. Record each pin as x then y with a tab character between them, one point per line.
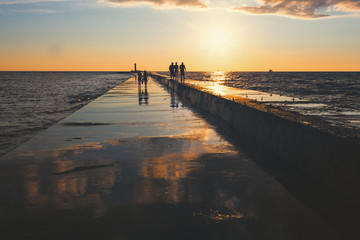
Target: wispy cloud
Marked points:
34	11
301	8
296	8
177	3
9	2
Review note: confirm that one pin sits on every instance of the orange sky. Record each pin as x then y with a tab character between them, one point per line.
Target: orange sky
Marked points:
57	37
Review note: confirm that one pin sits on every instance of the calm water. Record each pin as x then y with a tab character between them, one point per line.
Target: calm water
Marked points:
33	101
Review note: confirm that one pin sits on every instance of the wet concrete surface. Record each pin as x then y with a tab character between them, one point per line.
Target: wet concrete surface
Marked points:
137	163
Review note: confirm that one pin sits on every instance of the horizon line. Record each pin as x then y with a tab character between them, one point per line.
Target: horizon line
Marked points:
187	71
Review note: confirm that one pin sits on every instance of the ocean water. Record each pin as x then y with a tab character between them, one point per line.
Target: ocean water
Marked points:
33	101
334	96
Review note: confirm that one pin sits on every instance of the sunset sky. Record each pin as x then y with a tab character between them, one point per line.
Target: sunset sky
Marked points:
236	35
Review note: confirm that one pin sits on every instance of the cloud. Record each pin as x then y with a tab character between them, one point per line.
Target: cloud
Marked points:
301	8
9	2
34	11
178	3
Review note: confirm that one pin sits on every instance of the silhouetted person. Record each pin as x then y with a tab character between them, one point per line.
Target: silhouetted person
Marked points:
145	78
146	95
171	70
140	95
173	103
139	77
182	71
143	93
176	70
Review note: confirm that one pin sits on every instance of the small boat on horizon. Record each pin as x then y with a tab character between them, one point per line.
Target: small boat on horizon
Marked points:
270	70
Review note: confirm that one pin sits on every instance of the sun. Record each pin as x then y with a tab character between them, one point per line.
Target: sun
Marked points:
218	41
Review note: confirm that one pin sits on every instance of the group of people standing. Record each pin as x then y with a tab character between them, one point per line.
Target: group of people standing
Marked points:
142	87
142	78
174	71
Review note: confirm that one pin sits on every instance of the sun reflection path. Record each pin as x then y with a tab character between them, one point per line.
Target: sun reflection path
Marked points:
218	78
214	84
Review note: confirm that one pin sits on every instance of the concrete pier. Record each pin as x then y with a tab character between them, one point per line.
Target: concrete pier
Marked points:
138	163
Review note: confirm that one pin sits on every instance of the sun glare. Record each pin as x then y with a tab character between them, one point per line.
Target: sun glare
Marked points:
218	39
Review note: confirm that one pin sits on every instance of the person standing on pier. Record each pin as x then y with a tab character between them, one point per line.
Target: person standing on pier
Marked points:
145	77
171	69
139	77
176	70
182	71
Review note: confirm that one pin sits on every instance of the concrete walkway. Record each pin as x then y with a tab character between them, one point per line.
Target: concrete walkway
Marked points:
138	164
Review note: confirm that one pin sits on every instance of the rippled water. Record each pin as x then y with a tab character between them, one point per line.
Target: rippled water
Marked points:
339	89
335	96
33	101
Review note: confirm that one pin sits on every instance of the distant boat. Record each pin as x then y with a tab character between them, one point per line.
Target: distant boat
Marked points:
270	70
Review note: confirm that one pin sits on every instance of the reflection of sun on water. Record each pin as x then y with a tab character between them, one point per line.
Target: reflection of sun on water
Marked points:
217	78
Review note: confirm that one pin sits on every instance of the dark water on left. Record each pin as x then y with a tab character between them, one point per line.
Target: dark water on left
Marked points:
33	101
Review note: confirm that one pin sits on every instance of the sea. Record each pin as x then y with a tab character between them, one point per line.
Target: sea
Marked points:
341	90
30	102
332	97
